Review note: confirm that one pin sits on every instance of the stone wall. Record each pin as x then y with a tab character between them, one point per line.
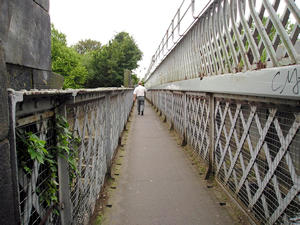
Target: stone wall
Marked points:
25	63
8	195
26	36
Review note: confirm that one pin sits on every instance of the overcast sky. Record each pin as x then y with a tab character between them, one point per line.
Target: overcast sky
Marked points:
100	20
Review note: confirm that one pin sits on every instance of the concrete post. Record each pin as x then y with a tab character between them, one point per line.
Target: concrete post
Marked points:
63	179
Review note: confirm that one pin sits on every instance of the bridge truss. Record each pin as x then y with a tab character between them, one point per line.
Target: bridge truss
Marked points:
96	117
230	86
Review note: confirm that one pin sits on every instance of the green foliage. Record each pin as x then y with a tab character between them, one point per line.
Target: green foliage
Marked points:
289	27
99	220
66	61
108	63
31	148
67	145
134	79
36	148
89	64
85	46
127	78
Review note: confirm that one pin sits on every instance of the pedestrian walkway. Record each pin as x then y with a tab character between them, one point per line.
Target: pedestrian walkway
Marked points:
157	184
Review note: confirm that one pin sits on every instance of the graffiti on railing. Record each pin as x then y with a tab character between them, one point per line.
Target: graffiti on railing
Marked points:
288	81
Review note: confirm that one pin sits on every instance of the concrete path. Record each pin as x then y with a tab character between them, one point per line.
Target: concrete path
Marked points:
157	184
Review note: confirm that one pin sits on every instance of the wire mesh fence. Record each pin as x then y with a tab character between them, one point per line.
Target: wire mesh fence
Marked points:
198	125
96	119
88	123
255	144
34	175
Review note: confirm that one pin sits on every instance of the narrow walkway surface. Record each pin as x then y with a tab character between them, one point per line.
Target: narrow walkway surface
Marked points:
157	184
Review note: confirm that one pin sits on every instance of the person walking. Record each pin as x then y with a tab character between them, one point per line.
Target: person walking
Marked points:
139	94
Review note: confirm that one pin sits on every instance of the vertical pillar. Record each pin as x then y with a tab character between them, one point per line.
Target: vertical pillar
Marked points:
210	170
10	210
160	102
121	114
9	197
120	127
63	179
172	113
165	118
184	138
108	132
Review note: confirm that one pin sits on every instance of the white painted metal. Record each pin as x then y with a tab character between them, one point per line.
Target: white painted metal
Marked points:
245	56
86	114
229	37
273	82
256	147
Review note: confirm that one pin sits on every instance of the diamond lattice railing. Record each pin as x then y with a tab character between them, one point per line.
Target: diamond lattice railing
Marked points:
253	157
178	110
256	147
198	123
88	122
31	184
97	117
227	37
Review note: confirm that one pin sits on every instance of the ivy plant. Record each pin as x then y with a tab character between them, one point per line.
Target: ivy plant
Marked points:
31	148
67	145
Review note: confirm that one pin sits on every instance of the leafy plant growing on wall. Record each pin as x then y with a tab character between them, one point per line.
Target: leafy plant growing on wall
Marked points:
32	148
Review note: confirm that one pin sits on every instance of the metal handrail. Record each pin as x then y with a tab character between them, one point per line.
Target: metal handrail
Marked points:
228	36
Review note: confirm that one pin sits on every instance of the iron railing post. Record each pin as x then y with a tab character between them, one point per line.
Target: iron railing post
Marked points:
165	108
108	132
10	167
211	103
165	103
63	180
172	113
184	138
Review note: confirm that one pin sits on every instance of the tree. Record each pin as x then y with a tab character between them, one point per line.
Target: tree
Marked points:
109	62
134	79
66	61
85	46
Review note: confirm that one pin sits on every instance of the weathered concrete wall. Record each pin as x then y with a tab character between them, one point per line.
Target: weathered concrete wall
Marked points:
25	63
7	185
26	36
3	96
21	77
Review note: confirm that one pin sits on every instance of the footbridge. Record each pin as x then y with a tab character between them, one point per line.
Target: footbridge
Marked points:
226	78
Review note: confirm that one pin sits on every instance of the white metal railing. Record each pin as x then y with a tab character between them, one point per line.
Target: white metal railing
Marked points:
221	85
252	144
227	37
97	117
